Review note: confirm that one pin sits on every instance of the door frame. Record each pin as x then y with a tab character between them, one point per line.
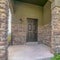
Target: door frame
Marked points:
27	27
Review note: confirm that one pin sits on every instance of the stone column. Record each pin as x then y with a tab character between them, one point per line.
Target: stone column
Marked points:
3	28
55	23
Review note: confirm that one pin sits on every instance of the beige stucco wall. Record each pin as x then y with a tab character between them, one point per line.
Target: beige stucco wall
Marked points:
57	2
25	10
47	13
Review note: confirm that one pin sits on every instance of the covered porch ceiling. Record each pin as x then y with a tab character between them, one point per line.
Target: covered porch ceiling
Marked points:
36	2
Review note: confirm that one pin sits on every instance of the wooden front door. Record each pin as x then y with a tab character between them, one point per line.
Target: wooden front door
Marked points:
32	30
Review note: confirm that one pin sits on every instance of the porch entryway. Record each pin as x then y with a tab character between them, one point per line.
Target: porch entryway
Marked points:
29	51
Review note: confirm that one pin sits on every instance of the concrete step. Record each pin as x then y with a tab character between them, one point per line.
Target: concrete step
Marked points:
31	43
29	51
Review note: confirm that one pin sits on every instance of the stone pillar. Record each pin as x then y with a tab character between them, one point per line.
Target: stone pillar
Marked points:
55	23
3	29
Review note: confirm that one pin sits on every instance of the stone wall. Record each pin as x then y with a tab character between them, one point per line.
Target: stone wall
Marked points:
18	34
3	29
56	29
44	35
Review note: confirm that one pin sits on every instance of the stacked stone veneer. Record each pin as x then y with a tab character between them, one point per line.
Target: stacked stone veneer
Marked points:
18	34
55	40
44	34
3	29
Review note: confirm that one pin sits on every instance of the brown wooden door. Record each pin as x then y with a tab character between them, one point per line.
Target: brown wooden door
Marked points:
32	30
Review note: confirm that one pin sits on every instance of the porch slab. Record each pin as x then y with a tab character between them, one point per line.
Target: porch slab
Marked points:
29	51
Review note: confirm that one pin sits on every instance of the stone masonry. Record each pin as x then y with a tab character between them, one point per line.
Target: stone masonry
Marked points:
44	35
55	41
18	34
3	29
19	37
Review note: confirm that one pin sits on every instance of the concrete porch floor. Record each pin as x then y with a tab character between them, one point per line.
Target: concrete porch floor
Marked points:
29	51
